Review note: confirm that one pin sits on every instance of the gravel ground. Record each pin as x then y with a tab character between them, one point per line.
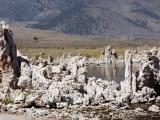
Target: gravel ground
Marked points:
5	116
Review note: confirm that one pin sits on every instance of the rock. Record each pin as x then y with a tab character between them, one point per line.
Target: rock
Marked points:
25	82
48	100
39	82
4	108
148	74
81	75
134	84
144	85
56	69
19	99
91	89
126	86
81	62
81	78
158	99
55	91
138	110
40	112
36	112
50	59
9	65
45	85
12	108
154	108
39	103
109	54
78	101
2	96
30	100
86	100
110	92
61	105
67	78
146	94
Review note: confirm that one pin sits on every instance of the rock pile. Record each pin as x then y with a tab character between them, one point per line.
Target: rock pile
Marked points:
66	84
59	86
128	86
144	85
109	54
42	84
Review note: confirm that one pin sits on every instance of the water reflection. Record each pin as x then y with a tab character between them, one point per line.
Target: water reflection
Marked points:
109	71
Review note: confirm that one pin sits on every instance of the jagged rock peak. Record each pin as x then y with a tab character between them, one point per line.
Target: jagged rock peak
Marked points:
9	63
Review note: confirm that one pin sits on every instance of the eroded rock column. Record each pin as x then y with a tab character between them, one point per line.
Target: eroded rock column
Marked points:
109	54
126	85
128	71
9	63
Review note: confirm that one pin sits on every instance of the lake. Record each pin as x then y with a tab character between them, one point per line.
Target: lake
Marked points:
108	71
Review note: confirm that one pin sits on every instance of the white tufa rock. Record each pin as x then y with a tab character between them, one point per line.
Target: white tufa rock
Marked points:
126	85
154	108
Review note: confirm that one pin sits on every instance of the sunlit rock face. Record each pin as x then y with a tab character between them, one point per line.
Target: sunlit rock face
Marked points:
65	84
9	63
148	75
143	85
126	85
42	83
109	54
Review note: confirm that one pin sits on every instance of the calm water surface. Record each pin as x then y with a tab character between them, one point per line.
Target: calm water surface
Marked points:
109	71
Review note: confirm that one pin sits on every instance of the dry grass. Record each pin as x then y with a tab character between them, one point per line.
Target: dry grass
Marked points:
31	52
31	42
59	52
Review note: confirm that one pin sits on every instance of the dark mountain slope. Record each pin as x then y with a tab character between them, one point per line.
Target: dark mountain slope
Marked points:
87	17
26	10
97	17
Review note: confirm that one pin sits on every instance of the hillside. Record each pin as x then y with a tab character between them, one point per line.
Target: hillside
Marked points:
87	17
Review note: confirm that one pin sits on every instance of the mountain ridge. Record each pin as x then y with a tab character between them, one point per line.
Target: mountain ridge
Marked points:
87	17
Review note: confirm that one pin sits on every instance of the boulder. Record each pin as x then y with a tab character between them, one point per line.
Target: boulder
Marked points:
154	108
19	99
109	54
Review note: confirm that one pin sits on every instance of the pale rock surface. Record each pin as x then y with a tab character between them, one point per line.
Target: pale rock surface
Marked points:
46	85
138	110
158	99
9	65
144	95
126	85
20	99
109	54
148	75
154	108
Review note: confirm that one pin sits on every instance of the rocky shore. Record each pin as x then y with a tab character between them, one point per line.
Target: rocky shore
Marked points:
39	88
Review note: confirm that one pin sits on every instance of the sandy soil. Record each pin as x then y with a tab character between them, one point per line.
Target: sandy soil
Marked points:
5	116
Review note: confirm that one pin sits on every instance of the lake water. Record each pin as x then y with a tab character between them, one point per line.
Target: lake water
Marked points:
109	71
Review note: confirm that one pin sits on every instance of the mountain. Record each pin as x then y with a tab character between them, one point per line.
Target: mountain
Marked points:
28	10
87	17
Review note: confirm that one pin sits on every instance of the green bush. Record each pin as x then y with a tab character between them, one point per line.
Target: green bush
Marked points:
7	101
